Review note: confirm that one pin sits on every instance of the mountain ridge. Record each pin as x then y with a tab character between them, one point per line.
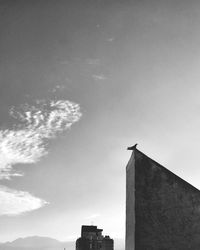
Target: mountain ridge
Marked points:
37	243
47	243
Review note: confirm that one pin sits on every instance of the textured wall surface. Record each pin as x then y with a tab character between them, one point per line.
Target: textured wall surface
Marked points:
166	211
130	204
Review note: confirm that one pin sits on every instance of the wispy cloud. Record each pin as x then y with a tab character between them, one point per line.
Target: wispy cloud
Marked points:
99	77
57	88
94	62
111	39
14	202
27	142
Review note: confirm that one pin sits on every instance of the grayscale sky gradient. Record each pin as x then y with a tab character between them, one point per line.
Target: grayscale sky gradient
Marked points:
79	82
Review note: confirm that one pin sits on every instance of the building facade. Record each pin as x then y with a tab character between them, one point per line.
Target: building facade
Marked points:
162	210
92	239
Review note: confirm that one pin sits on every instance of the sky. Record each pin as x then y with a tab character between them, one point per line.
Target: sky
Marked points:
80	81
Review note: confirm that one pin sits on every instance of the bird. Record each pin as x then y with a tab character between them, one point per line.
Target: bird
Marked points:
132	147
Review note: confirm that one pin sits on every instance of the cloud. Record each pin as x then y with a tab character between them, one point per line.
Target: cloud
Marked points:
14	202
58	88
111	39
99	77
26	142
94	62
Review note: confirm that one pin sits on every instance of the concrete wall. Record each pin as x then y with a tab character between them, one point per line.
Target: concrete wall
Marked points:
130	204
162	210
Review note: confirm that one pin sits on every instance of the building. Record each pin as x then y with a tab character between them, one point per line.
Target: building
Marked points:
162	210
92	239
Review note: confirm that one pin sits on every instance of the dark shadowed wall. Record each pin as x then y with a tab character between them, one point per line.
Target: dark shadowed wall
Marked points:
162	210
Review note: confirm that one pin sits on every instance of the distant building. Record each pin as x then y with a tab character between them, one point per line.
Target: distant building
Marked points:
92	239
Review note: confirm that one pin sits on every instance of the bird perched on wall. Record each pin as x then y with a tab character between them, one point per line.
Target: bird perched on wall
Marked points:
132	147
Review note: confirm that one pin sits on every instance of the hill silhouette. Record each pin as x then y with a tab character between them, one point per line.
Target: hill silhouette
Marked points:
47	243
37	243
